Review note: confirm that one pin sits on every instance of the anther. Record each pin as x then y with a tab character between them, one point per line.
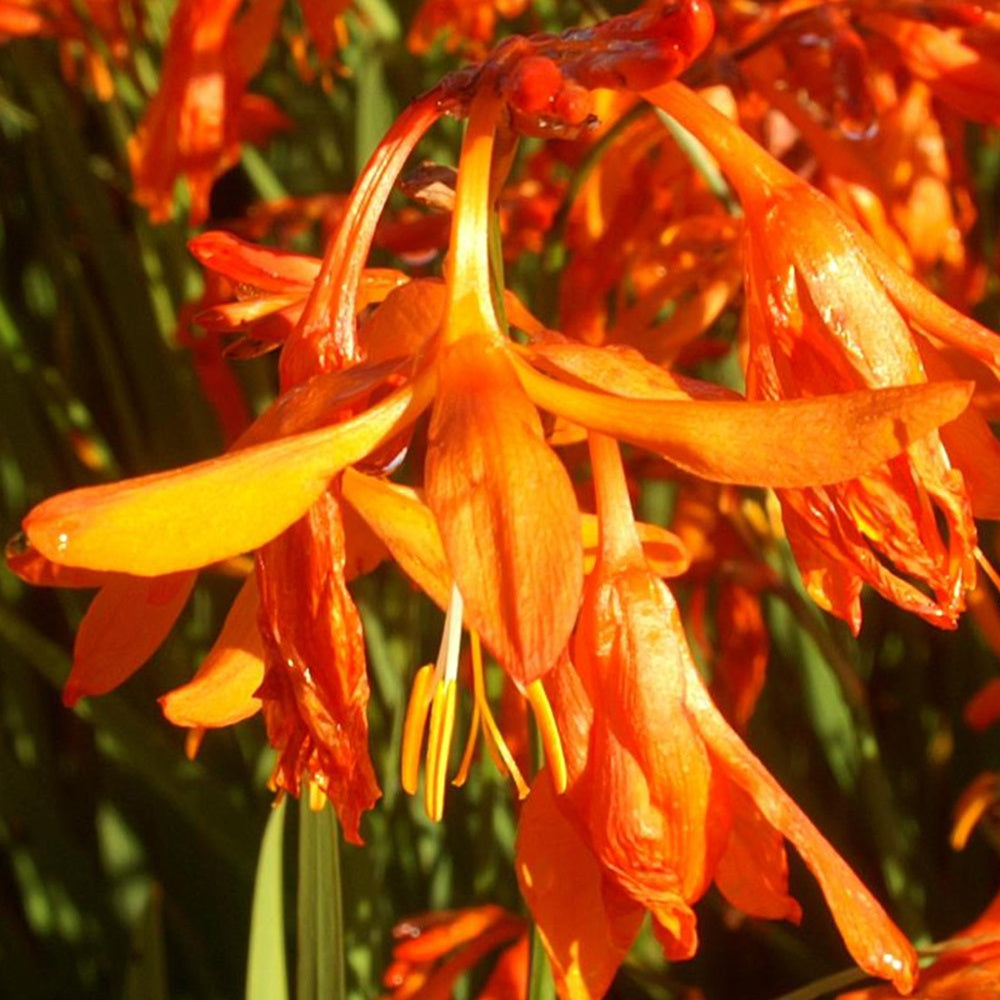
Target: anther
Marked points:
549	732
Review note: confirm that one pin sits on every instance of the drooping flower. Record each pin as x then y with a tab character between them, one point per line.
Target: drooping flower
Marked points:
663	797
827	309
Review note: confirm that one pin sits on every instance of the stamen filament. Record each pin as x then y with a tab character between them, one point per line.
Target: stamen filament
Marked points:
470	748
499	750
987	567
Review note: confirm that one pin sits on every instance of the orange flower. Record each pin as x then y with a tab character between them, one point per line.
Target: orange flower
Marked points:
959	58
433	950
512	571
663	796
195	124
826	309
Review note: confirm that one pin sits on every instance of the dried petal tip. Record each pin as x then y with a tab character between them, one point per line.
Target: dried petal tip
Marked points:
17	545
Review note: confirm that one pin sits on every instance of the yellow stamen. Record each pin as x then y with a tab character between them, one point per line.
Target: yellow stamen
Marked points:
317	797
549	732
438	744
470	747
499	750
413	726
441	679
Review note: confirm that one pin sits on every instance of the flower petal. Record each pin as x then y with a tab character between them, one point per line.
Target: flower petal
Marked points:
263	268
315	690
406	527
931	314
408	317
753	871
209	511
222	691
876	943
622	371
24	560
124	625
798	442
666	554
562	884
506	510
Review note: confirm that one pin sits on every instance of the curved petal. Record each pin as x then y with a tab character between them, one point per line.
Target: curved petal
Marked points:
876	943
406	527
222	691
124	625
753	871
666	554
29	565
405	321
263	268
622	371
212	510
505	508
561	882
797	442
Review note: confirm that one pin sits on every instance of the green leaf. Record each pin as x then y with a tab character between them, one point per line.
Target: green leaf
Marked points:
267	973
320	937
146	974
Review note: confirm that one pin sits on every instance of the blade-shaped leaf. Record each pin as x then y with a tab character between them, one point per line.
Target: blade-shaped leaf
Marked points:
267	973
320	934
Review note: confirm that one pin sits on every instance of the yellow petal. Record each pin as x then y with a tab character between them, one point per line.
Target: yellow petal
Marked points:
215	509
406	526
222	691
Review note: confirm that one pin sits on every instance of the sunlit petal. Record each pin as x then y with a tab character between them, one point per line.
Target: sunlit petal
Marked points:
505	508
125	624
206	512
561	882
223	690
752	443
